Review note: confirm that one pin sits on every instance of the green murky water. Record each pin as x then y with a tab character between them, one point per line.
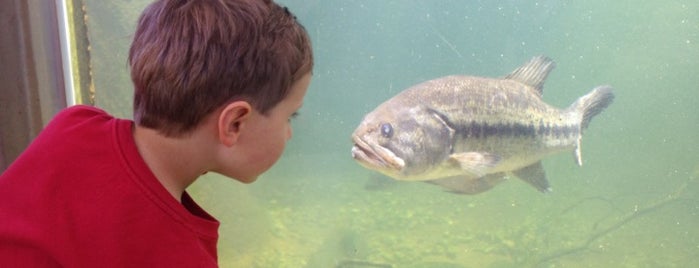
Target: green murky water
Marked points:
635	202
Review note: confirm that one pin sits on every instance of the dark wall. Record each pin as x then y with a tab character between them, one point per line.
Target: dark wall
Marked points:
32	86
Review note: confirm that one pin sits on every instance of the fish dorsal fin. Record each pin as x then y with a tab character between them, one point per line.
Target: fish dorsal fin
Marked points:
533	73
534	175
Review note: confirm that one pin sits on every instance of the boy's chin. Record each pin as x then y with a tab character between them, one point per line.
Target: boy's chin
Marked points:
246	180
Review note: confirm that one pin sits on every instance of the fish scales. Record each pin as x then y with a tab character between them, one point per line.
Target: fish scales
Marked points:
465	133
485	111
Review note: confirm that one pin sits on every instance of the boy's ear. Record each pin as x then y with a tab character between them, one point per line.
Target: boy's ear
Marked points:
231	120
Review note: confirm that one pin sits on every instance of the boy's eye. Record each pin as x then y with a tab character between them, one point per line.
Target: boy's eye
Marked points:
294	115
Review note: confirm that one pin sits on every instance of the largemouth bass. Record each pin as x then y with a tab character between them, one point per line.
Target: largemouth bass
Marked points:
467	133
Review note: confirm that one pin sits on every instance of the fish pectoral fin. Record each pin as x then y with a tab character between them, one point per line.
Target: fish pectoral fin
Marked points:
475	163
534	175
469	185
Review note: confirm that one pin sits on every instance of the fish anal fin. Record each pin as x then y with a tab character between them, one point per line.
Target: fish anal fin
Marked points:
475	163
533	73
469	185
534	175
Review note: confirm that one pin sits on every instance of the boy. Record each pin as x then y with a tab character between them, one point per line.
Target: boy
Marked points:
216	82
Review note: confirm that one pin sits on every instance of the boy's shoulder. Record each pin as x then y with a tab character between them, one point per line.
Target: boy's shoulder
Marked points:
81	111
78	117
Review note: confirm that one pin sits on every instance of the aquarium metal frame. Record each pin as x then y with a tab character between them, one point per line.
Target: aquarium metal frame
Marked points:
72	22
65	41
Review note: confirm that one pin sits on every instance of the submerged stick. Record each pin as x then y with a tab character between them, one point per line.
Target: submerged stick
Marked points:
637	212
361	264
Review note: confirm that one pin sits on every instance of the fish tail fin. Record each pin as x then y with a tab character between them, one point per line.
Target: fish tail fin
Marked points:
592	104
587	107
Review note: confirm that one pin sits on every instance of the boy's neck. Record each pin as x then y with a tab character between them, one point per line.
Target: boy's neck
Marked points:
175	162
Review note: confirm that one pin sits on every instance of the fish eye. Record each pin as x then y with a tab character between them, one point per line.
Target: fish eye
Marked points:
386	130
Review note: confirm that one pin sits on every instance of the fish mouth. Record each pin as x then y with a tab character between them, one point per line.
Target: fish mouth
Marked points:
375	156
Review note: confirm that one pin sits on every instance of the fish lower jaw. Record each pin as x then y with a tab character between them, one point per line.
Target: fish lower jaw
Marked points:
382	160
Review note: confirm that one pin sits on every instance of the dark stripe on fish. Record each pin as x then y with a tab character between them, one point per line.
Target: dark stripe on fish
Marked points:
482	129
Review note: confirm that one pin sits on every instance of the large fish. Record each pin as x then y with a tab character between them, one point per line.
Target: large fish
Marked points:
467	133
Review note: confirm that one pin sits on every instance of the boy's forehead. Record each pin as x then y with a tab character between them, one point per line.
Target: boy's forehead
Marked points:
301	86
294	99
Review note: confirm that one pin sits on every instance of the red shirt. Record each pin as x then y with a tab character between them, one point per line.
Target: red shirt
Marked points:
82	196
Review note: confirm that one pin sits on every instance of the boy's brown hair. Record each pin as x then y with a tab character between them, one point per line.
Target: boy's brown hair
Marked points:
190	57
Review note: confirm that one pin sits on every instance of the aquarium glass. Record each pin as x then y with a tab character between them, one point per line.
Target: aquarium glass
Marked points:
633	203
